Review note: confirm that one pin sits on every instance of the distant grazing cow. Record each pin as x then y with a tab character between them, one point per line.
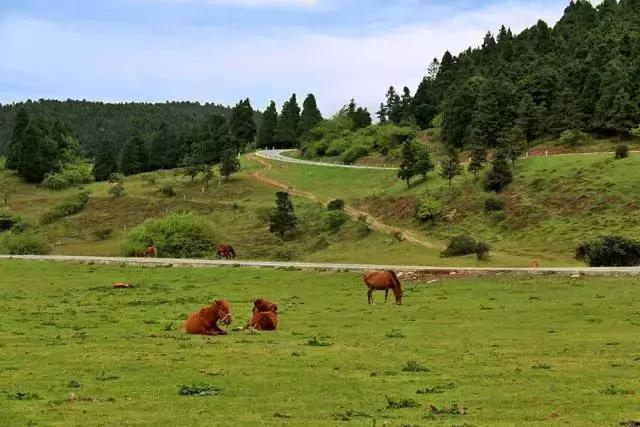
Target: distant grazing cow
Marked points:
205	321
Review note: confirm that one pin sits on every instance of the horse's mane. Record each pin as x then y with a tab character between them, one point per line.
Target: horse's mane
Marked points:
395	279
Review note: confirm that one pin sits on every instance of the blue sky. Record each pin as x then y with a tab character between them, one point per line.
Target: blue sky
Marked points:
223	50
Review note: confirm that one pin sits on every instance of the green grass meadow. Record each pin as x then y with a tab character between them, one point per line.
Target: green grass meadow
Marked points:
499	350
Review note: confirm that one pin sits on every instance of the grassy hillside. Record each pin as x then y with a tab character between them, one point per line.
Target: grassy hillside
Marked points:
76	351
554	203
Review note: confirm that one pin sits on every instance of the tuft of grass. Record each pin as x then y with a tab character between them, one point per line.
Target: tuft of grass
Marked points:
393	403
350	414
106	377
453	409
198	390
612	390
541	366
73	384
394	333
24	395
414	366
438	389
319	341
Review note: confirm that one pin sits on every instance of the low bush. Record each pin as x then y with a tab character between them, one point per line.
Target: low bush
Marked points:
622	151
573	138
25	243
8	220
353	153
168	190
610	251
482	251
117	177
493	204
69	206
117	190
179	235
334	220
103	233
73	173
429	209
336	205
465	245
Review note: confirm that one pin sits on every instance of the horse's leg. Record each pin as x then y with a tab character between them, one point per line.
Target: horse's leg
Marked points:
370	295
386	294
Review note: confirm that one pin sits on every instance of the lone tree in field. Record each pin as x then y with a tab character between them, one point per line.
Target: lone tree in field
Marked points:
478	158
500	174
424	165
409	161
451	167
229	164
283	220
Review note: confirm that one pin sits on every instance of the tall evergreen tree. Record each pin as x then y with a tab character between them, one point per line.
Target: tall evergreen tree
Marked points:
21	123
134	156
105	163
409	162
394	106
423	164
450	168
283	219
310	116
382	114
287	130
267	133
37	155
241	125
361	118
229	163
500	175
478	156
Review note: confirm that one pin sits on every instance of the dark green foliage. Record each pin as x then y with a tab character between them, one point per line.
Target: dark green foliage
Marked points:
335	219
164	151
622	151
267	132
105	163
482	251
450	168
21	123
179	235
8	220
36	152
478	157
401	403
229	164
198	390
69	206
414	366
283	220
335	205
310	116
242	125
361	118
24	243
493	204
353	153
134	156
287	131
167	189
500	175
610	251
429	209
423	163
409	162
459	246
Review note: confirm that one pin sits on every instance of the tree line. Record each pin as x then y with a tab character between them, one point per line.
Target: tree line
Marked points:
580	75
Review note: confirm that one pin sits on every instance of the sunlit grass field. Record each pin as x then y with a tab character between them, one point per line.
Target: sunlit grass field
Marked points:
491	350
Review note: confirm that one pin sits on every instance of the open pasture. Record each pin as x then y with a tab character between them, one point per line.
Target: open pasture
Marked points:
489	350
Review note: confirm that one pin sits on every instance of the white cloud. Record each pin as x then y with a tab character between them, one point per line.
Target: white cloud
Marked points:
208	64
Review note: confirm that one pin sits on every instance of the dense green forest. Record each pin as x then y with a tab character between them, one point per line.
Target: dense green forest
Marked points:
580	75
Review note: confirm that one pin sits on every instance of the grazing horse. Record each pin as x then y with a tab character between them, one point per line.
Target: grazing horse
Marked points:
262	305
383	281
205	321
151	252
226	252
263	321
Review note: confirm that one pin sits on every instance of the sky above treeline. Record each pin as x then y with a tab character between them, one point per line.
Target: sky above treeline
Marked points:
223	50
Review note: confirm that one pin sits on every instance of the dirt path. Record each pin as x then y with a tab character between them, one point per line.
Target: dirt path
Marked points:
376	224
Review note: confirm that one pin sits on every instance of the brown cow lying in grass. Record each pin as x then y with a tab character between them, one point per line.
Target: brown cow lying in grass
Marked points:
205	321
265	316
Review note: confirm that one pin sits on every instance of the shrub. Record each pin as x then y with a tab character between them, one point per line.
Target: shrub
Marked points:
26	243
460	245
610	251
622	151
354	153
180	235
8	220
573	137
335	219
482	251
168	190
336	205
117	177
493	204
103	233
635	132
73	173
117	190
429	209
362	229
69	206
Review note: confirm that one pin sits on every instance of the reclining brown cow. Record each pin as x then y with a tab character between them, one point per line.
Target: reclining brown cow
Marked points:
205	321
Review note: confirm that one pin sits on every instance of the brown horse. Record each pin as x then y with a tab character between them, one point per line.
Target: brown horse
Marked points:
205	321
262	305
151	252
263	321
226	252
383	281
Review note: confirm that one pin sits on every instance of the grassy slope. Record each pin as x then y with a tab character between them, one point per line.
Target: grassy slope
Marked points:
517	350
554	203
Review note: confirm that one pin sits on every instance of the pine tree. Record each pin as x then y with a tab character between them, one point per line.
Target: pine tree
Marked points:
241	125
512	142
105	163
134	156
423	164
37	155
267	133
451	168
624	114
361	118
500	175
283	220
310	116
528	118
287	130
21	123
394	107
478	156
229	163
406	102
382	114
409	162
